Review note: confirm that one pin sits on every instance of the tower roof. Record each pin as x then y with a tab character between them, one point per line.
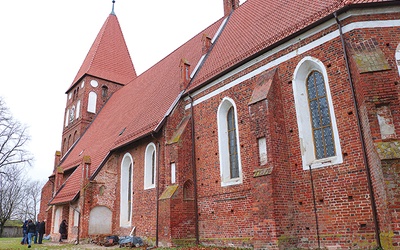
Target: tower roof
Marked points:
108	58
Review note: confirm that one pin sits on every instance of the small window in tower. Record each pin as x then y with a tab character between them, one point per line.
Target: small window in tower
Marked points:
69	142
66	117
104	91
78	108
75	136
92	102
72	114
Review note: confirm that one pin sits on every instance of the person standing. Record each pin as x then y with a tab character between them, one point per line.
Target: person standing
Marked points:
35	237
41	231
63	229
25	233
31	232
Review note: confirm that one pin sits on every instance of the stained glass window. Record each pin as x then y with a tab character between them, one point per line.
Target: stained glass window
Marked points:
233	154
153	167
129	190
320	116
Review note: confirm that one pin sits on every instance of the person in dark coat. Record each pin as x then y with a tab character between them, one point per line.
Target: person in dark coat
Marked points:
41	231
31	232
63	230
25	233
35	237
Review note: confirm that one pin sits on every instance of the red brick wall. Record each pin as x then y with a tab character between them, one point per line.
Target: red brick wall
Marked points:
274	209
286	215
46	195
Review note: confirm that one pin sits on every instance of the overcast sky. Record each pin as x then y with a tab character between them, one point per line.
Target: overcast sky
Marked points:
43	44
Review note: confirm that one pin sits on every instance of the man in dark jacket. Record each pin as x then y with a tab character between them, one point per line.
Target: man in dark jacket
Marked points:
63	230
25	232
41	231
35	236
31	232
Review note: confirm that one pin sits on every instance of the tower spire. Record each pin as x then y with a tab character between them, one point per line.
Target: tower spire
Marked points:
112	11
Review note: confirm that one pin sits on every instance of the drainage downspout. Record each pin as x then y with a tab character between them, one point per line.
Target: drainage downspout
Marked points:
315	207
157	188
360	131
196	208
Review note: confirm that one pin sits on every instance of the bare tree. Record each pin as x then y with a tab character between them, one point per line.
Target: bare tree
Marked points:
11	193
13	139
14	158
29	206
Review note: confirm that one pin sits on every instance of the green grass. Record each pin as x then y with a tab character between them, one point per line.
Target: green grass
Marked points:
15	243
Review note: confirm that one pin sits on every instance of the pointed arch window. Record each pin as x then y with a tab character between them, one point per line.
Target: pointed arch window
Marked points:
129	205
66	118
397	57
126	192
78	108
75	136
228	140
318	133
104	91
92	102
150	162
324	145
232	142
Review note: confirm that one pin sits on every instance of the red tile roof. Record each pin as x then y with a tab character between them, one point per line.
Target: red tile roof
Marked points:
258	24
136	109
108	58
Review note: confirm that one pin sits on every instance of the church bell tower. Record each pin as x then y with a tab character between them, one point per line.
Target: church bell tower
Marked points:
106	68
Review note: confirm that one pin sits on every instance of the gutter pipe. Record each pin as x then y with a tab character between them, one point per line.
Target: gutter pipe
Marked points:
315	207
193	160
361	134
194	172
157	187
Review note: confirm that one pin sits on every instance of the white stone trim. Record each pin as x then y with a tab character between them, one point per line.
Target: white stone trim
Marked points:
223	144
304	67
151	147
124	217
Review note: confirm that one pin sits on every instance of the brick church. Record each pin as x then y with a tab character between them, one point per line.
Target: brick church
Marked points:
276	127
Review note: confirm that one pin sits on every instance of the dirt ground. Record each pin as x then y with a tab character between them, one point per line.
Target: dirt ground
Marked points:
82	245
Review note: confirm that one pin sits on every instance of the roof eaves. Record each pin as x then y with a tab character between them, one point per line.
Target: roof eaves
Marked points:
59	190
283	40
173	105
102	163
87	74
213	42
